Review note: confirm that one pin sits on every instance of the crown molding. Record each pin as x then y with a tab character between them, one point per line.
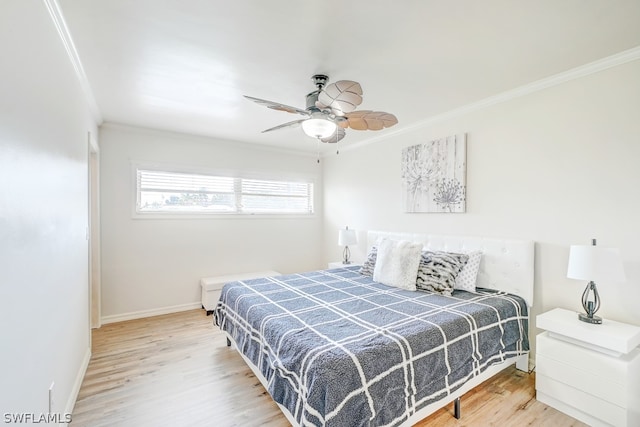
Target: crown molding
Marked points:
575	73
63	31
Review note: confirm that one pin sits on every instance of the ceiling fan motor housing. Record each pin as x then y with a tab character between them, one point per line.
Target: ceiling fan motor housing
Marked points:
320	80
312	98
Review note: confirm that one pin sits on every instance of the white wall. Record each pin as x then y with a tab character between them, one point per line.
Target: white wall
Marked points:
154	265
44	122
559	166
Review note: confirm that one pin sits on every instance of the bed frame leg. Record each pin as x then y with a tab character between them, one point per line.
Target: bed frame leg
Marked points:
456	408
228	342
522	362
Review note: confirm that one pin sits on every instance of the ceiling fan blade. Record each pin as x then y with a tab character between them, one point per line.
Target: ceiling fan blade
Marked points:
278	106
337	136
370	120
292	124
342	97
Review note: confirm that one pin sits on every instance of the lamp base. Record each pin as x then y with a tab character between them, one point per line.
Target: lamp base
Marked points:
346	255
594	319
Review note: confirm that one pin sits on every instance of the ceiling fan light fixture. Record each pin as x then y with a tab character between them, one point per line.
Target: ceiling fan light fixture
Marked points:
318	128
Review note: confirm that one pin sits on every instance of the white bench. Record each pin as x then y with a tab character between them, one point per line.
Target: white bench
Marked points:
211	286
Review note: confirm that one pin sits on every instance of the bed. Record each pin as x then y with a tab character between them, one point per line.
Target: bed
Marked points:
336	348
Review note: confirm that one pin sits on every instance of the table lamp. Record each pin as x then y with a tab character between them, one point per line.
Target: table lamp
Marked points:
594	263
346	237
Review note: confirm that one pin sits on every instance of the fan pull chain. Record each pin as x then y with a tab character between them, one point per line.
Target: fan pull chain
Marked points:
318	148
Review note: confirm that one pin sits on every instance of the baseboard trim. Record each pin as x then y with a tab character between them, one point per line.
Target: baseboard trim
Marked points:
149	313
71	402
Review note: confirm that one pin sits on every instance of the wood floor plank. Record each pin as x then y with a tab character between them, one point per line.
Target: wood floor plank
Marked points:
176	370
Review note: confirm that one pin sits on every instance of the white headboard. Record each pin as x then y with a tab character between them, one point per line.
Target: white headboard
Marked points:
507	264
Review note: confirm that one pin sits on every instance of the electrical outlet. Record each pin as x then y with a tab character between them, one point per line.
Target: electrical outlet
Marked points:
51	402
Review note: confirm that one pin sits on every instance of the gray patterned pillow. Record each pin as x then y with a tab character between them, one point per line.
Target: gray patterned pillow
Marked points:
370	264
438	271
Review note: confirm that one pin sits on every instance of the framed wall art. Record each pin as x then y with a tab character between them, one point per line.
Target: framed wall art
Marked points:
434	175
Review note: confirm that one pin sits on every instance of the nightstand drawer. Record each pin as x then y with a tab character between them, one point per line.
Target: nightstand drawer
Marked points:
612	369
607	412
586	381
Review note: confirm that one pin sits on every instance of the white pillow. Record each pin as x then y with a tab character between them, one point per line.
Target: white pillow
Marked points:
397	263
466	279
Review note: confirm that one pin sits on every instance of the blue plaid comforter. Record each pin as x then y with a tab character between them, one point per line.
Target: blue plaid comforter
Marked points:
338	349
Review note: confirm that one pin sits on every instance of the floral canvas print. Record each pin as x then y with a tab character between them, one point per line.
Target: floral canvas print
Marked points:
434	175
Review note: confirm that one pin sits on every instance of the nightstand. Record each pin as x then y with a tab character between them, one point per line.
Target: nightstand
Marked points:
590	372
339	264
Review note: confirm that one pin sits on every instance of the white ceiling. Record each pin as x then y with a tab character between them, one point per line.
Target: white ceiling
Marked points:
183	65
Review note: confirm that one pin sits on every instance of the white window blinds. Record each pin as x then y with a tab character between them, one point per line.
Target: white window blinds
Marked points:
177	192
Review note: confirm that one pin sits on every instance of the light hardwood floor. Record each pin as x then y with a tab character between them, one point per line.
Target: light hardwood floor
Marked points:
176	370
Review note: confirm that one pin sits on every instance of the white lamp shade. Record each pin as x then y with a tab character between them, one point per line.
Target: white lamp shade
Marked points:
595	263
347	237
318	128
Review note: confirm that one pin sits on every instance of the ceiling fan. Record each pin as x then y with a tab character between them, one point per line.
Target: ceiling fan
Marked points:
330	110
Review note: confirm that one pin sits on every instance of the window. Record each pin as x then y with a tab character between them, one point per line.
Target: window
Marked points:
187	193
